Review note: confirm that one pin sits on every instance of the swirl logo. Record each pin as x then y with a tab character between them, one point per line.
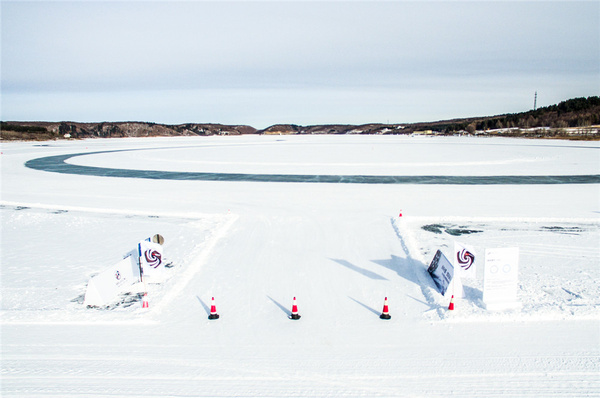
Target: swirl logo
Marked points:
153	258
465	259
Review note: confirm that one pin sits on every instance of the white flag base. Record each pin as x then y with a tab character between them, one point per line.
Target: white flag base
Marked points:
502	305
459	291
155	279
138	288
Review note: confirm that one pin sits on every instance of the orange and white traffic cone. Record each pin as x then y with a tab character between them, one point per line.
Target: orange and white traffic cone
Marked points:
451	306
213	310
145	300
385	313
295	311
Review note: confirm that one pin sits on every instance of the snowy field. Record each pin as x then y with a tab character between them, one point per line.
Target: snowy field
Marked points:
339	248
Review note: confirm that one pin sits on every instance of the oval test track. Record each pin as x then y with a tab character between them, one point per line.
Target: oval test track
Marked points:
58	164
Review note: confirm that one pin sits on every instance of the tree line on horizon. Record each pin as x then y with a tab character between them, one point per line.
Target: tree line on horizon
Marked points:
572	113
575	112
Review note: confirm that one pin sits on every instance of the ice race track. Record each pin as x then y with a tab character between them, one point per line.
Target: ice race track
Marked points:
338	233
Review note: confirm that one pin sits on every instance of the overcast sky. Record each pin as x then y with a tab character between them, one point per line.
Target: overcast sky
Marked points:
262	63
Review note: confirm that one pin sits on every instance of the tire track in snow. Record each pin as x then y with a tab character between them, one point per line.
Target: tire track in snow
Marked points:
564	376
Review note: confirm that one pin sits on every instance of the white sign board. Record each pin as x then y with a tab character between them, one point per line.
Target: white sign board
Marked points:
441	271
500	279
106	286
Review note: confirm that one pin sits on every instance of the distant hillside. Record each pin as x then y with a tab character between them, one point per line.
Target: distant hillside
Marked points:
573	114
334	129
56	130
577	118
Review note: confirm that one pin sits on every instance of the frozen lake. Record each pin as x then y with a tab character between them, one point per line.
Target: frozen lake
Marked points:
339	248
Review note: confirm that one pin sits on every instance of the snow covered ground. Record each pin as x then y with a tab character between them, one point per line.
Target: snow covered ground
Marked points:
339	248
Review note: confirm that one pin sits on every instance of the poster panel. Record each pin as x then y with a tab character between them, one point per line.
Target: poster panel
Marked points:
441	271
501	277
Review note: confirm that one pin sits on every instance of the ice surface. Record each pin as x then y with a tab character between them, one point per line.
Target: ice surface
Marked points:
339	248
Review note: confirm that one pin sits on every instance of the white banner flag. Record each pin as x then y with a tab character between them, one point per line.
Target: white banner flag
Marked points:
464	261
105	287
501	278
150	257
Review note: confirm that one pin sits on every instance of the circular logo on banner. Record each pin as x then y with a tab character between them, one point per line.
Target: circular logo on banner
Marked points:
153	258
506	269
465	259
